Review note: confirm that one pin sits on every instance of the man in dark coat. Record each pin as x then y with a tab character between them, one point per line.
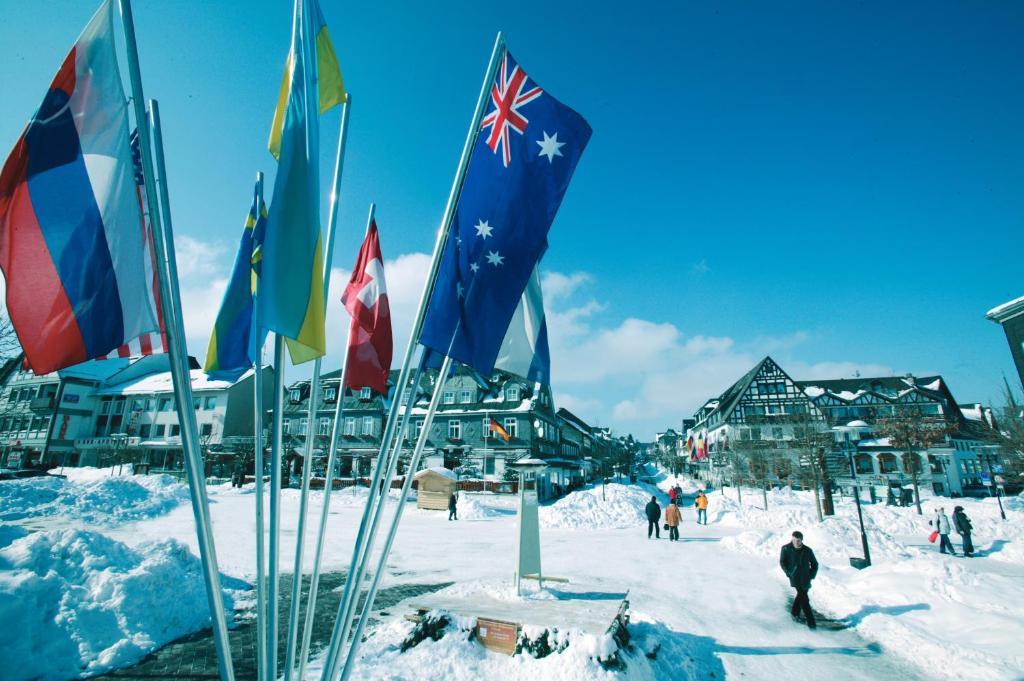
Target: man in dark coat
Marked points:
653	516
963	527
800	565
452	507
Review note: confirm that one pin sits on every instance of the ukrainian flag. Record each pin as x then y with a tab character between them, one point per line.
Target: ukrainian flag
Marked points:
291	299
234	343
332	89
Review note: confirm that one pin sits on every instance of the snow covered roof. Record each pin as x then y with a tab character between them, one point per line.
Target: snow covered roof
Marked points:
813	391
161	382
857	424
438	470
1001	313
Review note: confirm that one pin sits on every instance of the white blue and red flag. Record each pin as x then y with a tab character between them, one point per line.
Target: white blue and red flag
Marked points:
525	153
73	245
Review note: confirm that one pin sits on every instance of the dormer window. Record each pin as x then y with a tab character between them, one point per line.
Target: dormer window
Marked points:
365	394
512	393
295	395
449	397
330	394
465	396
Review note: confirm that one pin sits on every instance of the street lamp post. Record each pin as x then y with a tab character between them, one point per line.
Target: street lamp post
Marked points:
989	455
849	449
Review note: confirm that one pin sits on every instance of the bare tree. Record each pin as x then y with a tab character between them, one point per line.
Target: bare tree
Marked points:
1009	433
757	458
912	432
9	345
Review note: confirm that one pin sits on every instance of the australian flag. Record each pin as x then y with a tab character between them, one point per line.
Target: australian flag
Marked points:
527	149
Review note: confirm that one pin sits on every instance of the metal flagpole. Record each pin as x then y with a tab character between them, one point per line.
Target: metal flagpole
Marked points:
314	581
393	529
180	374
257	442
167	278
314	398
377	501
354	577
273	568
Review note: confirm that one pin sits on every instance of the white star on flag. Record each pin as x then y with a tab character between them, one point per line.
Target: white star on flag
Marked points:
550	146
459	290
483	228
495	258
474	266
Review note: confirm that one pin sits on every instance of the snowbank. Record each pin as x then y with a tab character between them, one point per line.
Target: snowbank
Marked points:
617	506
92	498
470	508
75	602
942	614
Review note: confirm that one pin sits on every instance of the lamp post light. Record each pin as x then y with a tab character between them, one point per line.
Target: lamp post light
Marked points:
990	453
849	449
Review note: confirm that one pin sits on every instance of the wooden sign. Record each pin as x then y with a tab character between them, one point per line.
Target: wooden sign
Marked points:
501	637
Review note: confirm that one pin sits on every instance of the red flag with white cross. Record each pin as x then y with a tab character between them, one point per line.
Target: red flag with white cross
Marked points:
369	337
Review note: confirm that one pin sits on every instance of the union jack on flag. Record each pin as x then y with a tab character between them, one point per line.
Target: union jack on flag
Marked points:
508	96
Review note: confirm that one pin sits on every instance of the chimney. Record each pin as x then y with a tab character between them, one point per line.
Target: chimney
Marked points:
910	379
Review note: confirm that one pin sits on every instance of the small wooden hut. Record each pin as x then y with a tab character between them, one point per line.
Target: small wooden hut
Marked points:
433	487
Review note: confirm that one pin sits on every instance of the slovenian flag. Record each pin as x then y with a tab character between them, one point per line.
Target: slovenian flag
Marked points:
72	240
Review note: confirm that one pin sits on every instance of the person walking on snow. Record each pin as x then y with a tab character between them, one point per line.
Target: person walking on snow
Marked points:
672	496
798	562
941	523
672	518
653	511
701	502
452	507
963	527
679	493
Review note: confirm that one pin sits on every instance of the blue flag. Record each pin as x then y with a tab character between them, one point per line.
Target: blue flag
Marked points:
527	148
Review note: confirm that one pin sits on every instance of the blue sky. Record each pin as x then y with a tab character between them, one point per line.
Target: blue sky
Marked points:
836	185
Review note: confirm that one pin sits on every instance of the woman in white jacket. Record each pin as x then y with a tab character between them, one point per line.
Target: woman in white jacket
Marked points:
942	524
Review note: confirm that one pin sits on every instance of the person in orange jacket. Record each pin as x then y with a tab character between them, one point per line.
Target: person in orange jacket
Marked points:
672	518
701	502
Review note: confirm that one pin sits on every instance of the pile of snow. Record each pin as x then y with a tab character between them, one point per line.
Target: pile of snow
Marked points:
688	485
616	506
939	613
75	602
470	508
92	498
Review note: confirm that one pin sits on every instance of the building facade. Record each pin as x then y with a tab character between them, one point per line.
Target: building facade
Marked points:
767	407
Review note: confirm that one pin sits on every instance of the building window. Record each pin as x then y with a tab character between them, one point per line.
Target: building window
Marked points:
465	396
324	426
419	428
512	393
406	394
776	433
367	425
211	402
303	425
144	430
165	404
206	430
365	394
512	426
295	395
105	406
350	425
330	394
488	465
449	397
175	430
196	403
454	430
159	430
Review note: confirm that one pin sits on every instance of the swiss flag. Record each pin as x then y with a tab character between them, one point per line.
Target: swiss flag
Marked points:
369	337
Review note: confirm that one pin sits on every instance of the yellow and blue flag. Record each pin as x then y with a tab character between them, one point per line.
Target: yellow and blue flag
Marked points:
330	84
291	300
235	343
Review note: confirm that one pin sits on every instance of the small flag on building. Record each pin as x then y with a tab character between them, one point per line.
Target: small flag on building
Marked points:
234	344
369	337
527	149
72	242
495	427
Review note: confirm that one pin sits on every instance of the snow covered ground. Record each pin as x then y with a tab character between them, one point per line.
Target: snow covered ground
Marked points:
714	604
